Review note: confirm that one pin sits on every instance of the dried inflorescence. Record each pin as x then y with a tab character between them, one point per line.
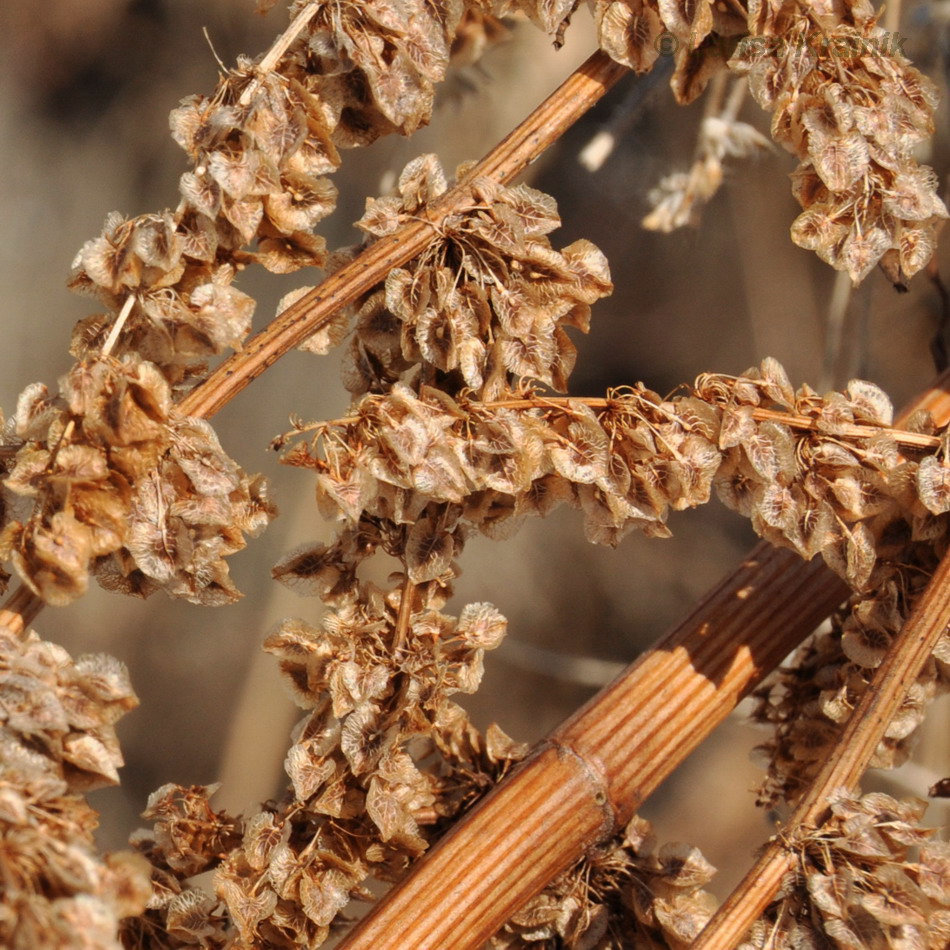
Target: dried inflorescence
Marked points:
123	486
844	99
359	807
870	876
820	474
261	147
628	893
850	106
187	838
489	299
841	485
453	430
57	739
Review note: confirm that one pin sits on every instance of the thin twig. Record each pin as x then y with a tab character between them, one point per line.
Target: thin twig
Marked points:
845	765
405	614
283	43
20	610
915	440
118	325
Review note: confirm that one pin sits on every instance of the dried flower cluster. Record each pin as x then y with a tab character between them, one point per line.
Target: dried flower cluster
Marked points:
359	806
844	100
629	894
820	474
850	106
489	299
843	487
57	739
122	483
870	876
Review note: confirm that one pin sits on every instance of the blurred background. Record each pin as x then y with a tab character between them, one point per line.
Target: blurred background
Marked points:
85	90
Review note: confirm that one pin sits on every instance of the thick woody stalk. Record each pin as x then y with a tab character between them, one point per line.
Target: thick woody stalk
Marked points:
587	779
845	765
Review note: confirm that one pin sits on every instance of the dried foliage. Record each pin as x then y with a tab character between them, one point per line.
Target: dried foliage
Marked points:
454	361
629	894
57	740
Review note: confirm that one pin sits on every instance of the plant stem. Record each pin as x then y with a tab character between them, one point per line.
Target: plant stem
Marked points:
914	440
586	780
583	88
20	610
845	765
270	60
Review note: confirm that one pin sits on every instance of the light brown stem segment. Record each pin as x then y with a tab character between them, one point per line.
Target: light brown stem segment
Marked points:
20	610
315	309
846	764
274	54
912	440
612	753
589	777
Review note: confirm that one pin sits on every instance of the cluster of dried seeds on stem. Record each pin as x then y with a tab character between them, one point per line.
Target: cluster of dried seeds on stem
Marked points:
117	482
110	475
57	740
850	106
870	876
489	298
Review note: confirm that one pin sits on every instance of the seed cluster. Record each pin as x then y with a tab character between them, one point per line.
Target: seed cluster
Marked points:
870	876
630	894
57	740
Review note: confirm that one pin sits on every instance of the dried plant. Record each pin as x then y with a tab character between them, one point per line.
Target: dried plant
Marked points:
456	313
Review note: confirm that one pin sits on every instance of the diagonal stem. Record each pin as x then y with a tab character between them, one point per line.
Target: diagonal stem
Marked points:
846	764
574	97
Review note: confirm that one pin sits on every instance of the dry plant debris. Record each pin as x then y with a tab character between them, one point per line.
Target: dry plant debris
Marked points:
458	348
